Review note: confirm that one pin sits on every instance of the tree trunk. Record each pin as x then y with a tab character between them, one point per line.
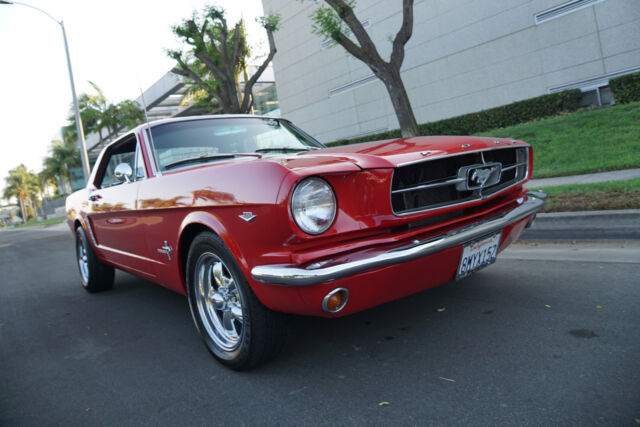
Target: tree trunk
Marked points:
400	101
34	205
23	210
365	50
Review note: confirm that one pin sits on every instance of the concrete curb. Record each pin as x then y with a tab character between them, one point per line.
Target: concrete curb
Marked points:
586	214
587	225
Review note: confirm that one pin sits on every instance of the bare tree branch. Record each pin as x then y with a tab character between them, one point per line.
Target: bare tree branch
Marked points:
224	32
345	12
187	72
404	34
184	70
215	57
213	68
350	46
387	71
247	99
236	44
212	42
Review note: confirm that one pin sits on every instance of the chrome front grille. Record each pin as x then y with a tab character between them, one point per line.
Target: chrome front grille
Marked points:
456	179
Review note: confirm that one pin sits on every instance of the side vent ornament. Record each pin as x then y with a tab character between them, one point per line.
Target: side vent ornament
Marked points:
247	216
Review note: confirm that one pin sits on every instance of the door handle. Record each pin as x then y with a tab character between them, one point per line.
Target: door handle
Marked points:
95	197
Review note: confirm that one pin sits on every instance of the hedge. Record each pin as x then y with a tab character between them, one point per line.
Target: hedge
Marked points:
506	115
626	88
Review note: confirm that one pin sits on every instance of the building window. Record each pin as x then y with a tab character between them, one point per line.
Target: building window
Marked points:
354	84
563	9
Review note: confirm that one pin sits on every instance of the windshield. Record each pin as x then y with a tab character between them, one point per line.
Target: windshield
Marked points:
209	139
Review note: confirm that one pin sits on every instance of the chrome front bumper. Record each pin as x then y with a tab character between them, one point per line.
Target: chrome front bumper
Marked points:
289	275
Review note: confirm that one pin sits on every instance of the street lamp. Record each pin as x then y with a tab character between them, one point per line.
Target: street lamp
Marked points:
79	130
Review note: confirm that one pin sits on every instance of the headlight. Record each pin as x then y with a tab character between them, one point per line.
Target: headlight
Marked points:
313	205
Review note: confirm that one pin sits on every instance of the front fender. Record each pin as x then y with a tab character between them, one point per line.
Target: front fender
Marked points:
212	222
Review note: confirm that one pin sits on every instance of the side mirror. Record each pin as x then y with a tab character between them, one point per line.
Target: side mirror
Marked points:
123	172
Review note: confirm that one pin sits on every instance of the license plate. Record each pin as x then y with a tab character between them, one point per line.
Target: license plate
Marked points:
478	254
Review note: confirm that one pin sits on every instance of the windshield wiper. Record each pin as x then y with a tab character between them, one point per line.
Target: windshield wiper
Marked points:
207	157
284	149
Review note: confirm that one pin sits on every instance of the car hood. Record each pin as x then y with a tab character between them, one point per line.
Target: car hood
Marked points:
390	153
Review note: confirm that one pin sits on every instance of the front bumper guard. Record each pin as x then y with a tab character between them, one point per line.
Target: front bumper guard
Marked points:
289	275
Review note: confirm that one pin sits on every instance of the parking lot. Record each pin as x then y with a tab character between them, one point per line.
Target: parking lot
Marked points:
535	339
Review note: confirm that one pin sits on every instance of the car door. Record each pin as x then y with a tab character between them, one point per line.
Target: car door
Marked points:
114	219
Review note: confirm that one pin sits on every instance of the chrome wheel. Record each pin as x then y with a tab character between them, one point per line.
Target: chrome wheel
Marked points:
94	275
83	261
219	301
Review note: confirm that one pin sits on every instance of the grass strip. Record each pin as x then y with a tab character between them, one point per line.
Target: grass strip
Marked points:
608	195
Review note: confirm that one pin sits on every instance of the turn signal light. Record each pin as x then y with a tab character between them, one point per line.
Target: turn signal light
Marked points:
335	300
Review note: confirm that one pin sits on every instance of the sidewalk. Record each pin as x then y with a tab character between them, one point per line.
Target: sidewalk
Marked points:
589	178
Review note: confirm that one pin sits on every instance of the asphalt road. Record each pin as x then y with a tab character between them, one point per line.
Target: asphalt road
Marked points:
535	339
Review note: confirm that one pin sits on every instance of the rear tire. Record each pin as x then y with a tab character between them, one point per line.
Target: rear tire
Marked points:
94	275
235	326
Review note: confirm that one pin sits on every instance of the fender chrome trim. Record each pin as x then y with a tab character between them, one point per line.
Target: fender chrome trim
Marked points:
291	275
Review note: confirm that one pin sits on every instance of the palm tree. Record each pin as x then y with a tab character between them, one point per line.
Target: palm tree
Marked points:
62	157
110	119
130	114
21	184
92	107
97	113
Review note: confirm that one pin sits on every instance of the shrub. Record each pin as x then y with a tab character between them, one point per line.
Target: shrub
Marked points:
626	88
506	115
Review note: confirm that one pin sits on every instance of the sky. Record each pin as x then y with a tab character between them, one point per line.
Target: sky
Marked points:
117	44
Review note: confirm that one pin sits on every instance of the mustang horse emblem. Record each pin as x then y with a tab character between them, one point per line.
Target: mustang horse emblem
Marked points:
481	176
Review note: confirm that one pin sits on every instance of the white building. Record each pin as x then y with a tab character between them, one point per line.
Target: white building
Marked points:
464	56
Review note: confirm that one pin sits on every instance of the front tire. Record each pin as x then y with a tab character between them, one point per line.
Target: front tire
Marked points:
94	275
236	328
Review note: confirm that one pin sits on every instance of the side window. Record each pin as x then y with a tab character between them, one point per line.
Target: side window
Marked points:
123	153
139	169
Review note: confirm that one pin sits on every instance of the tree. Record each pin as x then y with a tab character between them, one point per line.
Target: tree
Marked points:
97	113
110	120
62	157
21	184
126	114
92	108
216	56
335	22
129	114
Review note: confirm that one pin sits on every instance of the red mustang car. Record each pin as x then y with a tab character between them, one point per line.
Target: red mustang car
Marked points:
250	217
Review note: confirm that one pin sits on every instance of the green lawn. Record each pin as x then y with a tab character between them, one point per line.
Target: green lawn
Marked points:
598	196
587	141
